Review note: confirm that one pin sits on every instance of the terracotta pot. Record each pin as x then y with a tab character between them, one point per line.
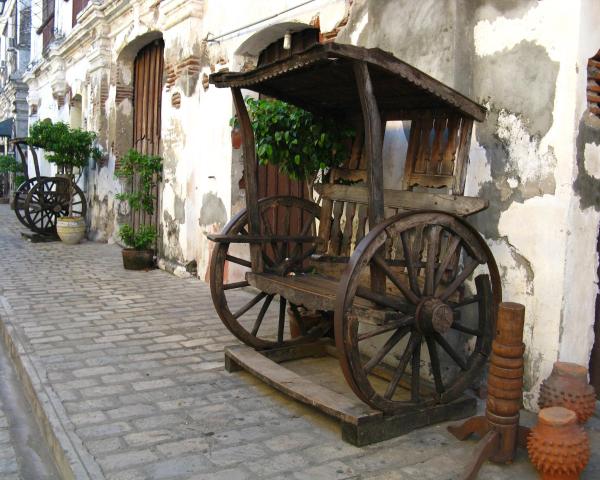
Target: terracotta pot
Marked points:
558	447
567	386
70	230
236	138
138	259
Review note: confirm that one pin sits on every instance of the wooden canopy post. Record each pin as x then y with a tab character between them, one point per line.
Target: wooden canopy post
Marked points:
373	139
250	176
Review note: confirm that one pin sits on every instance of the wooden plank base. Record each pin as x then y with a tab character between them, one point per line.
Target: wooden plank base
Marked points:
360	424
39	238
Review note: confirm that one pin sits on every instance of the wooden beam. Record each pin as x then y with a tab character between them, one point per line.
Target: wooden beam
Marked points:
373	151
250	176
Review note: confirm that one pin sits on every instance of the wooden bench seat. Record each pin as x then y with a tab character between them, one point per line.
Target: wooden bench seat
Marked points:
317	292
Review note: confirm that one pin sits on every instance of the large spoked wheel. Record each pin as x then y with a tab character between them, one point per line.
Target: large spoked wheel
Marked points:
435	288
258	319
20	196
48	200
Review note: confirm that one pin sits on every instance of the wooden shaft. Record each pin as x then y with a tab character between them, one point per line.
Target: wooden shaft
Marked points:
251	177
373	142
373	150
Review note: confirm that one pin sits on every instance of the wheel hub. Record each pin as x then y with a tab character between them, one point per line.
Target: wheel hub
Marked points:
433	315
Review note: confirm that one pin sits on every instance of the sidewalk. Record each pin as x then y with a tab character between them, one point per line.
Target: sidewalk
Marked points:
126	370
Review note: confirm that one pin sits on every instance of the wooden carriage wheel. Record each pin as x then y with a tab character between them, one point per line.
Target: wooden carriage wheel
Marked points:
21	195
47	200
442	289
260	321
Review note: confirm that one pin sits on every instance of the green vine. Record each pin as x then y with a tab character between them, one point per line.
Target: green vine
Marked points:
299	142
143	172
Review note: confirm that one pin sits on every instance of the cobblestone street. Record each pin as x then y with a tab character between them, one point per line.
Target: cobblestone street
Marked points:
125	370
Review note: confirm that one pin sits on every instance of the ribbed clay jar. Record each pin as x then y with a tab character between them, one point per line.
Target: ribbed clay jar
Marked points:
567	386
558	447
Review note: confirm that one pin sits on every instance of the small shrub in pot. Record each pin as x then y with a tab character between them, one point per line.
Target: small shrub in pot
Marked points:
143	172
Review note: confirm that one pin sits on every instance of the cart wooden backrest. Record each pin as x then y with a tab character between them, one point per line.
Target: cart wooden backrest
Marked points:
21	146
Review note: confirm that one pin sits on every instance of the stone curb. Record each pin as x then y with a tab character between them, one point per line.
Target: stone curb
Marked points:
71	458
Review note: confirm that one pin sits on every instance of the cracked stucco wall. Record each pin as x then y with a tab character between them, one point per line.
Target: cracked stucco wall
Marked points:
534	158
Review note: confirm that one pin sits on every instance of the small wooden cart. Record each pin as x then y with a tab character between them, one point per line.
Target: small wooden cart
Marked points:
401	291
40	200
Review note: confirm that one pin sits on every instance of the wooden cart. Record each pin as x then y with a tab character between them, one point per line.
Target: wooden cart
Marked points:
40	200
399	288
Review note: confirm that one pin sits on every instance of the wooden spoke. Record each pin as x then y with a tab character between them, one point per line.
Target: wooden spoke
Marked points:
433	246
298	247
298	318
239	261
390	274
387	346
435	365
261	314
450	351
415	372
402	322
413	342
464	302
249	305
269	232
231	286
292	262
386	301
462	328
460	278
408	257
281	325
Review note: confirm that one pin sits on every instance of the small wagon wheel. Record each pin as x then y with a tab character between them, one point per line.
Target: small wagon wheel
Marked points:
438	292
48	199
260	320
20	196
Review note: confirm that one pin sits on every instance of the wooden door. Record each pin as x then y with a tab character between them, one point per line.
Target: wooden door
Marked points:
595	358
148	75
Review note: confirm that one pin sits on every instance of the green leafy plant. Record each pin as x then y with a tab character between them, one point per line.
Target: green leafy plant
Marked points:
143	173
9	164
142	239
14	169
299	142
64	146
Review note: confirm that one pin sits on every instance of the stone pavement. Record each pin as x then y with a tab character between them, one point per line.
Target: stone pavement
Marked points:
127	370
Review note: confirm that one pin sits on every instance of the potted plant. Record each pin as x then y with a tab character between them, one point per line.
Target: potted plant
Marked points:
13	170
236	134
143	173
69	149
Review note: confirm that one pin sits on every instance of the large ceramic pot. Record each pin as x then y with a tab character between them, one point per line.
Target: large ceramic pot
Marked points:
70	230
568	387
138	259
558	447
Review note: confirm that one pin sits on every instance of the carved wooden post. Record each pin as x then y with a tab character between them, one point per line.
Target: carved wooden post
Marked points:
499	429
250	176
373	149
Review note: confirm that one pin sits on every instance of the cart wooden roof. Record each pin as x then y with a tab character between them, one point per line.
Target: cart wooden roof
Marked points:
321	79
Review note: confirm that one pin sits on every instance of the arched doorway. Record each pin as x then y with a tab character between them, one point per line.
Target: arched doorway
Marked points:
147	91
